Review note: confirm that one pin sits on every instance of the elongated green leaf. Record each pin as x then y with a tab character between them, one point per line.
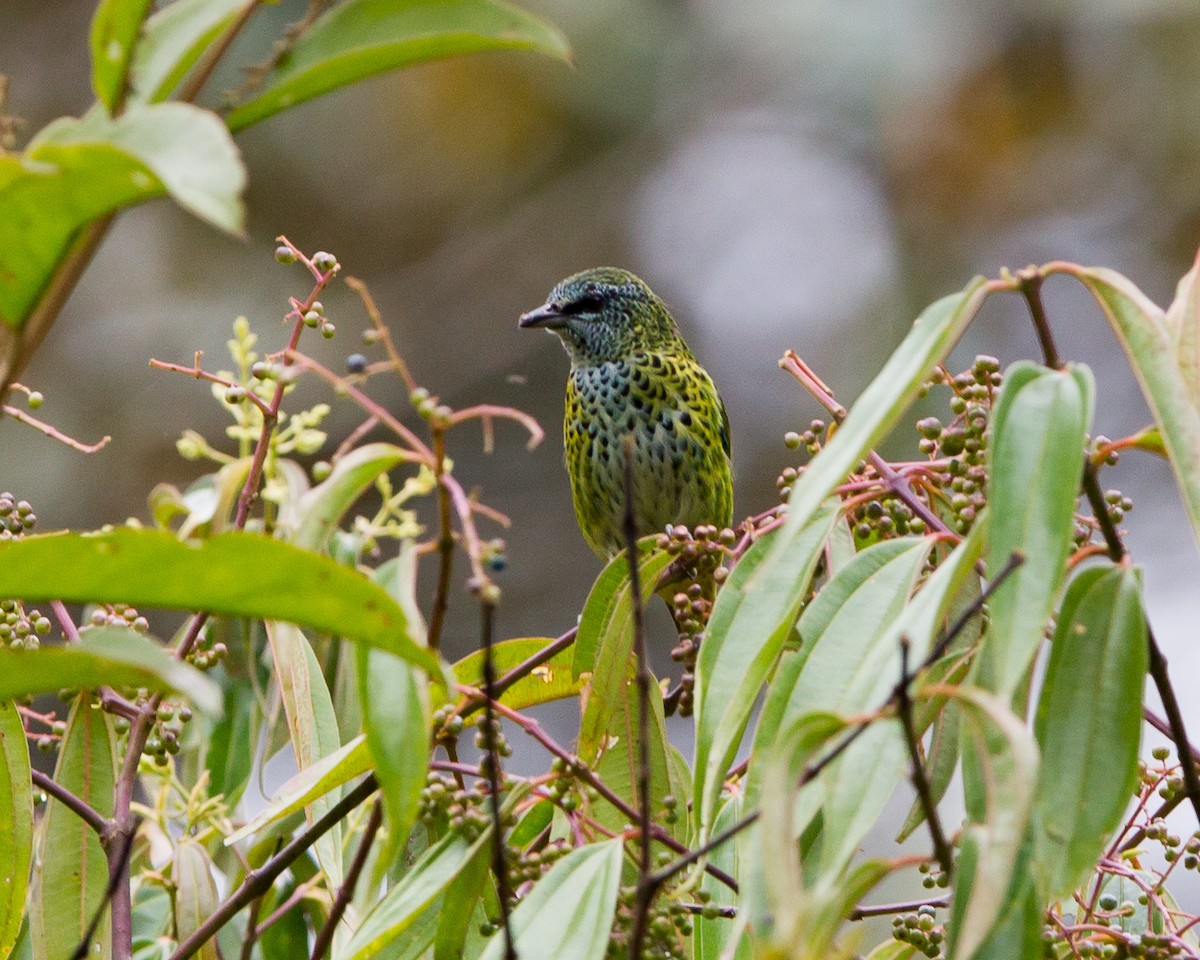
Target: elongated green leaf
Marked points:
1089	723
360	38
569	912
1162	350
1036	459
608	611
1017	934
74	871
604	644
881	405
115	29
1004	761
406	905
319	510
105	656
752	617
552	680
196	897
395	708
235	574
172	41
16	825
712	938
312	725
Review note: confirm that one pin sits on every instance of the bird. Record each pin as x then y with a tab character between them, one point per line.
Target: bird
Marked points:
633	374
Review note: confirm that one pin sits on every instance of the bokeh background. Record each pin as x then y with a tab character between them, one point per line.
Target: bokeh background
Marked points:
801	174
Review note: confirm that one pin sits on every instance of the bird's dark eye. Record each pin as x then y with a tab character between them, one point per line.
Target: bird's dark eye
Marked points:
589	303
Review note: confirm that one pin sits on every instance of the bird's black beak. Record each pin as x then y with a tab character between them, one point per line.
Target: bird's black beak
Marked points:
547	316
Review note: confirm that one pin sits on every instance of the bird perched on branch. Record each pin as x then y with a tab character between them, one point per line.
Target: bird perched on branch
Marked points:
632	373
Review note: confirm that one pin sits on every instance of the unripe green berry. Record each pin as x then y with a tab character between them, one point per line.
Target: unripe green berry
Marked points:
284	254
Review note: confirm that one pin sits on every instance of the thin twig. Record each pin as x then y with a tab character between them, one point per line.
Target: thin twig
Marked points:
215	51
259	881
941	849
325	937
487	609
77	805
445	543
884	909
53	432
645	891
1029	283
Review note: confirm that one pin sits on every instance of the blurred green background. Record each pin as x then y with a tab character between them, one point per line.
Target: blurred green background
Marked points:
786	174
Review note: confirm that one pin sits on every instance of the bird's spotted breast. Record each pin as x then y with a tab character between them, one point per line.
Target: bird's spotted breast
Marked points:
681	457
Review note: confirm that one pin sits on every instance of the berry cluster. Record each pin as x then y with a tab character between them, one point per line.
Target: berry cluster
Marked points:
21	628
694	576
527	866
206	653
932	876
447	724
668	923
16	517
921	930
446	806
119	615
163	741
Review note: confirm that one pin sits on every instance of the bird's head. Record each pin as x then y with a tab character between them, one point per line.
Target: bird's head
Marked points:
604	314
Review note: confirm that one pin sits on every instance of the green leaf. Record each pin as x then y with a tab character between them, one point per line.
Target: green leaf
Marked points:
395	709
187	149
552	680
1003	763
77	171
196	897
1089	724
74	872
115	29
881	405
751	618
604	644
1036	459
172	41
1162	350
104	656
321	509
312	725
360	38
316	780
16	825
236	574
569	912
